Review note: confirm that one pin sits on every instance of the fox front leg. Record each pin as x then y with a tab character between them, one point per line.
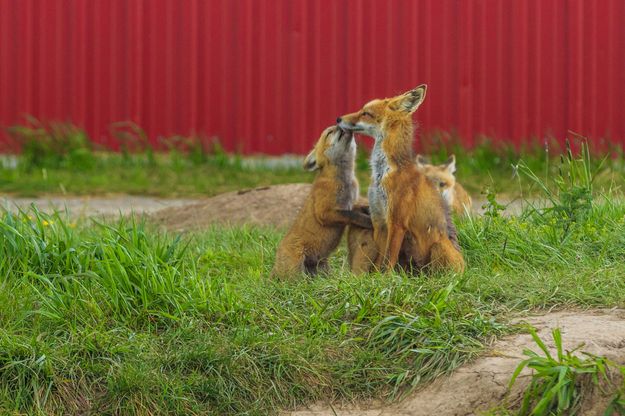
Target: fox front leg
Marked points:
394	241
333	217
357	218
362	208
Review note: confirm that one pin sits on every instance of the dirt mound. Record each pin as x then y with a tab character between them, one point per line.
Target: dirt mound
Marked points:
481	385
273	205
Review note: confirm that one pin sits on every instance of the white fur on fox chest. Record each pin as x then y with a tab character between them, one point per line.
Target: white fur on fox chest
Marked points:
448	196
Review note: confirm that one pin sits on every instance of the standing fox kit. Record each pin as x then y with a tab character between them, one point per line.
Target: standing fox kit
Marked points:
412	206
329	207
443	177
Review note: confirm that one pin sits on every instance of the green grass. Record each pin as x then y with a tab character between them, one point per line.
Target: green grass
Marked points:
175	175
558	382
137	321
122	319
561	382
164	176
59	158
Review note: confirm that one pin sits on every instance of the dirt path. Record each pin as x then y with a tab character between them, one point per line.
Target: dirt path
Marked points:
481	384
269	206
94	205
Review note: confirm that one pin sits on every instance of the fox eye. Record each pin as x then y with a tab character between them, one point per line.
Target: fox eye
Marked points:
367	114
442	184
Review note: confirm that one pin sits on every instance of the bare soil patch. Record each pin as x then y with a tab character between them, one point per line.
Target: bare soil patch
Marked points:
482	384
268	206
274	206
86	206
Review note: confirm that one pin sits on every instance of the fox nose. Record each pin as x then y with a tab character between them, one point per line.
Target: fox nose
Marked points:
338	120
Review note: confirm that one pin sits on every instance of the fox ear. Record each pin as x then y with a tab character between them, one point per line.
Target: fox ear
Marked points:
310	163
410	100
421	161
450	164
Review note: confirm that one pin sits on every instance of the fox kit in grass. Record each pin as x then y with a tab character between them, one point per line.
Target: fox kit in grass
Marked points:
318	228
444	179
402	197
362	250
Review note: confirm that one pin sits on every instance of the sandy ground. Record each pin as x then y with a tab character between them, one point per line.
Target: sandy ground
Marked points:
482	384
91	205
274	206
269	206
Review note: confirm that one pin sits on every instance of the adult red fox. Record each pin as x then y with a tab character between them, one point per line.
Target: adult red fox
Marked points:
408	201
318	228
444	179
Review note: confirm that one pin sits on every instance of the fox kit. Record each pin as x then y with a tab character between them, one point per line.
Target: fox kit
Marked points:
362	250
412	206
443	177
318	228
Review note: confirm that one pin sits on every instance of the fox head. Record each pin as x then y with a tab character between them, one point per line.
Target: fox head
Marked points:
375	117
335	147
442	176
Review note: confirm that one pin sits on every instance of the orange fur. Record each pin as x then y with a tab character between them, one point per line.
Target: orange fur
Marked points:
414	207
318	228
444	179
362	250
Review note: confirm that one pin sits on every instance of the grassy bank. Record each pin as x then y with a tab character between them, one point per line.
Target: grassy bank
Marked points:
122	319
60	159
159	175
168	175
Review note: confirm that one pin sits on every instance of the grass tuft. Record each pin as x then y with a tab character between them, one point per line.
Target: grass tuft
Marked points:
559	382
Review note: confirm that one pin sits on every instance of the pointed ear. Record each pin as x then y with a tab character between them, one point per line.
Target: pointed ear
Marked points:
411	100
450	164
310	163
421	161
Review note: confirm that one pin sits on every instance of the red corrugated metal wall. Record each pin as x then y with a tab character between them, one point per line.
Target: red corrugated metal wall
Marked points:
269	75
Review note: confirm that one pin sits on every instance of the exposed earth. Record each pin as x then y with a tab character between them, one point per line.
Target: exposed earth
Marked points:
274	206
482	384
93	205
268	206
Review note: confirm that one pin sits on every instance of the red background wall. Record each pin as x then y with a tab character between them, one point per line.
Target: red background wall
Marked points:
269	75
